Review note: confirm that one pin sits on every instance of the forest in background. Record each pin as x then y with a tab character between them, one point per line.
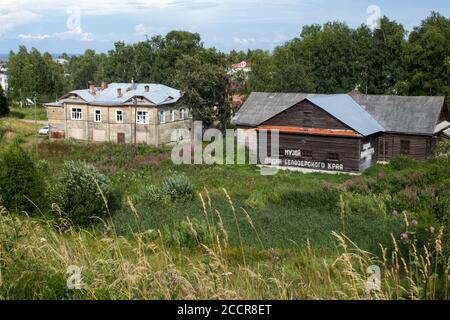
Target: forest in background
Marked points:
332	58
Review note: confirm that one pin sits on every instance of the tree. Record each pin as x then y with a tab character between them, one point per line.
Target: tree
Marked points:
21	186
427	58
205	89
4	108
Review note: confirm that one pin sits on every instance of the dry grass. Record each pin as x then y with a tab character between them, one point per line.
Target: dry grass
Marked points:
35	256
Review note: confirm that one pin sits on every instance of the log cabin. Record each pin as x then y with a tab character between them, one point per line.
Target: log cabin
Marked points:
343	132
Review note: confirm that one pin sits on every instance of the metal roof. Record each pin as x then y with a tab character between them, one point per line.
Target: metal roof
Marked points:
410	115
158	94
346	110
261	106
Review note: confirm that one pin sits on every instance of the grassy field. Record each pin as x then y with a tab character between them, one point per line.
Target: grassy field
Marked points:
243	236
39	113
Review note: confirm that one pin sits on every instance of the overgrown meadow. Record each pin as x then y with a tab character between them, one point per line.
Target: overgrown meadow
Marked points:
139	227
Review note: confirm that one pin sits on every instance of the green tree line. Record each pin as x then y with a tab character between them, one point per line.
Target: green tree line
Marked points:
329	58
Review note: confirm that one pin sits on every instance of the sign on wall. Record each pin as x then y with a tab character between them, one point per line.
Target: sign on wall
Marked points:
292	158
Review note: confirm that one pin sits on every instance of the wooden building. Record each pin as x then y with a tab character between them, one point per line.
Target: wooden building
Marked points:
343	133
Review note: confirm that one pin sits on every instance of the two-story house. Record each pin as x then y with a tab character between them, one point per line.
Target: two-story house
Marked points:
122	113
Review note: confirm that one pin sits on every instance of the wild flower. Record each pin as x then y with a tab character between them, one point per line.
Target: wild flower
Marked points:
404	236
414	223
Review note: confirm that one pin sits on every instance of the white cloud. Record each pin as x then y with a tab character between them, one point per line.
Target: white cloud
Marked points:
11	20
276	39
142	30
75	34
34	37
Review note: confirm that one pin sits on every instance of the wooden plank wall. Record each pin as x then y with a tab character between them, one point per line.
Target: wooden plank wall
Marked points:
295	117
421	146
347	148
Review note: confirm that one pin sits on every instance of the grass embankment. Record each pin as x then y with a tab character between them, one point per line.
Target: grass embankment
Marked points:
243	236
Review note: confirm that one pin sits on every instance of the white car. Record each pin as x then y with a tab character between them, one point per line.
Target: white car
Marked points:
44	130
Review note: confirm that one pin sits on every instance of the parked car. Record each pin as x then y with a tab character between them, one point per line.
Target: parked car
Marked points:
44	130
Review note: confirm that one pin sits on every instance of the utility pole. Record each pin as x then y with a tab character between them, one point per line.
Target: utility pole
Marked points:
35	110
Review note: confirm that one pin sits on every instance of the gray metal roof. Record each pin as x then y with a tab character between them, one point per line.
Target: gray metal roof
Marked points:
411	115
158	94
261	106
346	110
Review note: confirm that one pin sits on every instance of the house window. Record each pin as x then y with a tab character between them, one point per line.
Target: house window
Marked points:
77	114
384	148
333	156
405	146
307	154
161	117
97	116
142	117
172	115
182	114
119	116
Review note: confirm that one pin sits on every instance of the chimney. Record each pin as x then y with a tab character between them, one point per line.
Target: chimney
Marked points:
119	92
104	85
147	88
91	87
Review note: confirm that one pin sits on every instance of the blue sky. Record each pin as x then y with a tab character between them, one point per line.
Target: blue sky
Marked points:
72	26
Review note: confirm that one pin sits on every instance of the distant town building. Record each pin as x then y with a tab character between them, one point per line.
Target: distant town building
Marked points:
61	61
239	75
121	113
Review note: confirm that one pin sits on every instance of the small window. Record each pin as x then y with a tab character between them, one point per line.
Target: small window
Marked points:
119	116
77	114
172	115
333	157
182	114
405	147
307	154
161	117
142	117
384	148
97	116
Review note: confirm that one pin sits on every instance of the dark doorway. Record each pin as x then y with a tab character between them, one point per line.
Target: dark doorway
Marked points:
120	137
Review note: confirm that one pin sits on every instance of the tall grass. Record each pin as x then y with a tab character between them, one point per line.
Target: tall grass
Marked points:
35	256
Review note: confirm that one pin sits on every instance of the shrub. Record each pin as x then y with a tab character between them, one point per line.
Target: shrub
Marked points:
256	200
78	193
178	187
20	183
4	107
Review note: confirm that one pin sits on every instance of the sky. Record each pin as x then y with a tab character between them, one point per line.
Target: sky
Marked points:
58	26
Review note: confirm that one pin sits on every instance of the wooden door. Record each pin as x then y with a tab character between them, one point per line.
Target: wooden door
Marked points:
120	137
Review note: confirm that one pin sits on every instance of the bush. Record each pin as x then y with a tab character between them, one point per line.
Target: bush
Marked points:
178	188
78	193
257	200
4	107
20	182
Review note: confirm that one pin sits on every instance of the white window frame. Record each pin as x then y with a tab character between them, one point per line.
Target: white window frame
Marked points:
117	116
162	116
99	113
76	114
142	117
182	114
172	115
